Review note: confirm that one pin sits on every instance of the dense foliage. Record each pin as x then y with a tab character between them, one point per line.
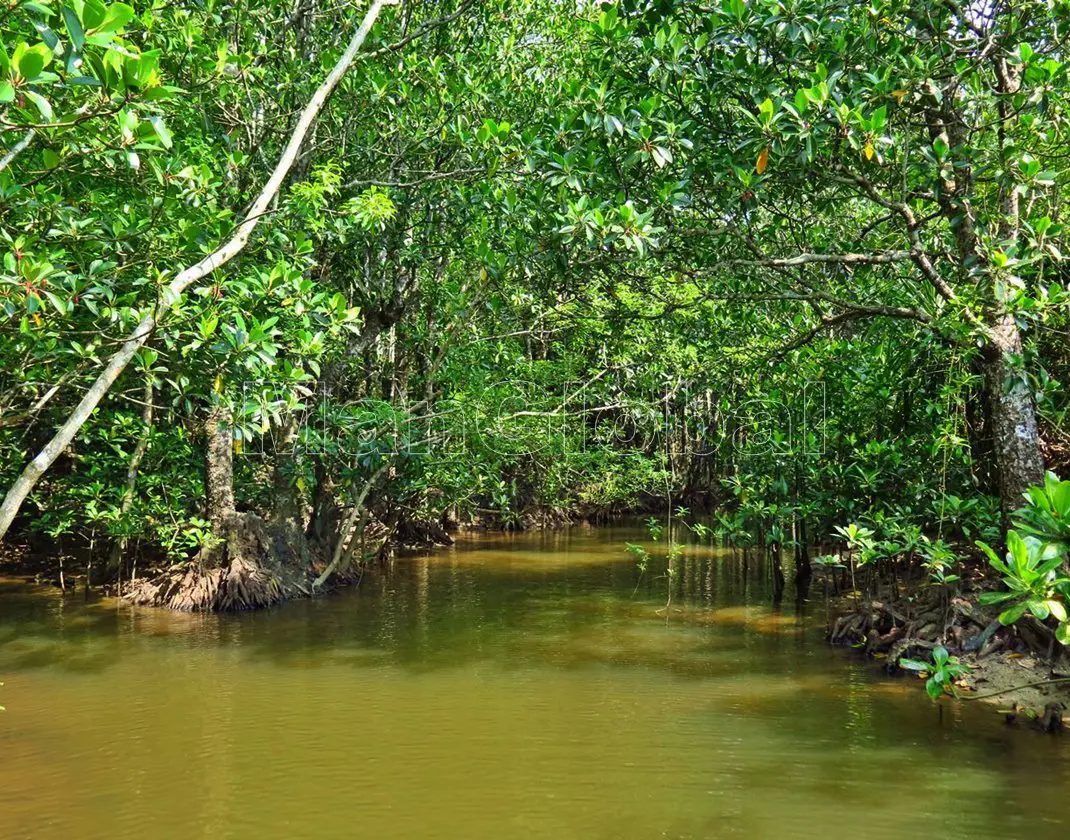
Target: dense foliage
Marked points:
799	263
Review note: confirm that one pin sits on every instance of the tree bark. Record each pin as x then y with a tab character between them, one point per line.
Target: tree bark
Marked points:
287	507
1012	409
18	492
1014	418
1013	414
219	471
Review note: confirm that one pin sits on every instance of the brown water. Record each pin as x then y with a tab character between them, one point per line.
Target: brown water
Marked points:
506	688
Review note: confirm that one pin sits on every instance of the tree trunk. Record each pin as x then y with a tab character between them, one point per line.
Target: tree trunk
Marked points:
355	519
1014	419
1013	413
219	477
288	503
249	564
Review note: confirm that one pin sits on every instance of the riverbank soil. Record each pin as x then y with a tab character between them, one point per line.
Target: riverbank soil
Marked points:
1020	670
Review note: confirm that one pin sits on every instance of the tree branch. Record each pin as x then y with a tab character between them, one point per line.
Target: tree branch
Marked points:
16	150
879	258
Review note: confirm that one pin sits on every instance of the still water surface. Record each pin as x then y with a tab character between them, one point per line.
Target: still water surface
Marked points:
526	687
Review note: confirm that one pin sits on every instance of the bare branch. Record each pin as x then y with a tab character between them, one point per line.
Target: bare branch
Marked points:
16	150
427	179
879	258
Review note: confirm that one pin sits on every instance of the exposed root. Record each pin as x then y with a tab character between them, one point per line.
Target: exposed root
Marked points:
243	585
421	533
257	566
998	656
248	586
261	563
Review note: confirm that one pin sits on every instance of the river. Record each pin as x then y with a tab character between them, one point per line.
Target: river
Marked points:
508	687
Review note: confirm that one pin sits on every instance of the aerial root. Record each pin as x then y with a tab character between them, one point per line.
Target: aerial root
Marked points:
243	585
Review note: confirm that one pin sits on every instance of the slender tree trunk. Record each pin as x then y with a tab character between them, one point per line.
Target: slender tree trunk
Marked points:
348	529
186	278
1013	415
1014	418
323	507
287	508
802	538
219	477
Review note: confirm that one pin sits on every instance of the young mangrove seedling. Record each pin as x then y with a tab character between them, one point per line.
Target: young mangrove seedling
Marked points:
943	671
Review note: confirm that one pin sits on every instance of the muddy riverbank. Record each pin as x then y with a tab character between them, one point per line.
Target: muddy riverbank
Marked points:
1019	670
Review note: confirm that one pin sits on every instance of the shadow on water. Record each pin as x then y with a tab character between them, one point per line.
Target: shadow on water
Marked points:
40	627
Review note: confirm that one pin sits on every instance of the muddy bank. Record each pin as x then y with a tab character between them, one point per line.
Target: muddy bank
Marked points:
1020	670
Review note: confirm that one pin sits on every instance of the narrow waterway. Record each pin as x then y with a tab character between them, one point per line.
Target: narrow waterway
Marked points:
509	687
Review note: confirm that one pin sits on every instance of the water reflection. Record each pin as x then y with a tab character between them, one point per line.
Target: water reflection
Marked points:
529	686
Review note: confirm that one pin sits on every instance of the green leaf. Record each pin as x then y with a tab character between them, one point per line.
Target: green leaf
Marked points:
41	103
93	14
33	61
1013	614
119	15
56	301
934	689
1039	609
989	598
74	28
993	558
162	131
7	92
608	21
47	35
1017	548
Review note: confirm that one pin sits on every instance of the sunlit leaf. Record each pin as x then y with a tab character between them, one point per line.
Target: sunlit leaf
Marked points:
763	161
